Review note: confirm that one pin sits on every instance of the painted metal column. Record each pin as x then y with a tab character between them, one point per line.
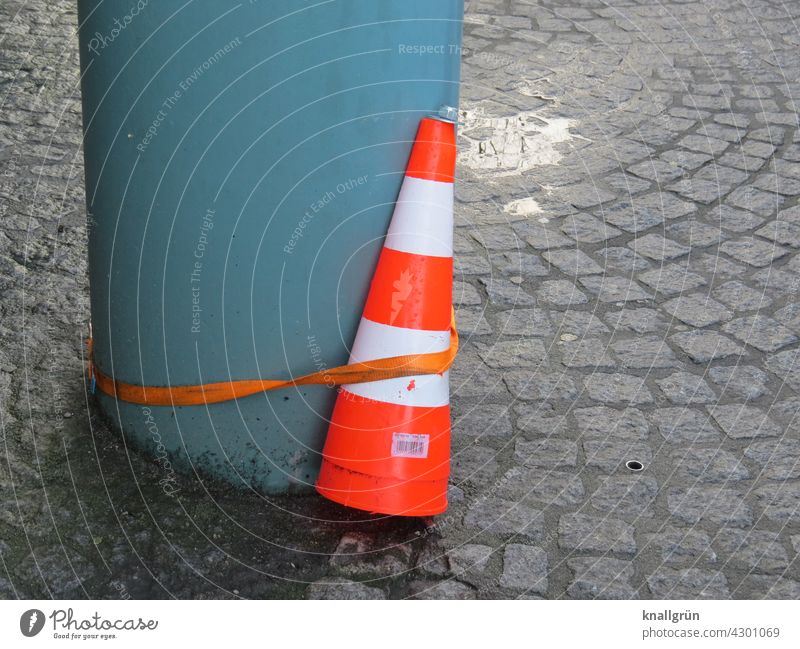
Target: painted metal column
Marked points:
242	161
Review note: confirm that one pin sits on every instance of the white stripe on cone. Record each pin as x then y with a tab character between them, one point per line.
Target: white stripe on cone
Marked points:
375	340
426	391
422	222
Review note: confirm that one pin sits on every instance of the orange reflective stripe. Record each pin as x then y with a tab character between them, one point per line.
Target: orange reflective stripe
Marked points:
421	295
195	395
433	156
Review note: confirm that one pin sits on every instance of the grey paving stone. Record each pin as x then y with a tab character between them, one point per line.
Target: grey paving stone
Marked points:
540	386
758	149
449	589
737	159
585	228
755	200
360	554
753	549
465	294
713	504
530	352
688	160
703	144
659	171
789	316
482	419
775	279
778	459
694	465
521	264
697	310
340	588
497	237
550	453
572	262
761	332
684	426
767	587
626	496
694	583
524	568
585	195
469	559
580	323
614	289
540	237
547	488
595	534
703	346
733	219
787	234
696	234
586	353
433	561
560	292
679	545
604	422
523	322
474	464
504	517
631	216
745	381
621	260
469	377
601	578
671	279
644	352
724	176
617	388
743	421
539	419
685	388
753	251
780	502
471	265
504	293
626	183
741	297
641	320
610	454
472	322
699	190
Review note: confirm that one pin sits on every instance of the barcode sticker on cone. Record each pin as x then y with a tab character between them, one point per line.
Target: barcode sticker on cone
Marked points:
409	445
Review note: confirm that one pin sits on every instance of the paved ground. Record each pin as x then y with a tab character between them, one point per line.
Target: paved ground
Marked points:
627	279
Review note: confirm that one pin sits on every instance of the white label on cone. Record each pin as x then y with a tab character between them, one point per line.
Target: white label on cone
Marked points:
408	445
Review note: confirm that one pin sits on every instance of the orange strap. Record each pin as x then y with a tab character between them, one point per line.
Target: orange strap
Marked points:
194	395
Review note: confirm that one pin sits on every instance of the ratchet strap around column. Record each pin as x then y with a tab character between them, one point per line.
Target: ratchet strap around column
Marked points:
194	395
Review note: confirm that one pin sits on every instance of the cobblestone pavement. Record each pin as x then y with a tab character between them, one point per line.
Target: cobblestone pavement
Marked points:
627	281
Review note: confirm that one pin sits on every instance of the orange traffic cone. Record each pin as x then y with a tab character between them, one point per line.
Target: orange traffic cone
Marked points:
388	445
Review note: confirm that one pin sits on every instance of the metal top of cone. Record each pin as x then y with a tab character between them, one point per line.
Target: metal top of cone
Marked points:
447	114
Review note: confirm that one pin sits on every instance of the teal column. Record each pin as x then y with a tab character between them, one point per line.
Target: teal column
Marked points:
242	159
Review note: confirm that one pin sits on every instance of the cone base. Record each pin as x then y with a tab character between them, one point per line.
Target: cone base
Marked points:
382	495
